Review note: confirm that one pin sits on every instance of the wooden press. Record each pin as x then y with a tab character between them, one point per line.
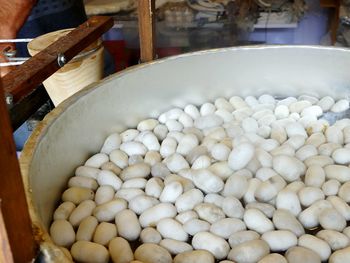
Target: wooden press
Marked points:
17	238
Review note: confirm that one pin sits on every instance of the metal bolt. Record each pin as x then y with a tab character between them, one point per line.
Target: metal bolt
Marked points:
9	99
9	52
61	60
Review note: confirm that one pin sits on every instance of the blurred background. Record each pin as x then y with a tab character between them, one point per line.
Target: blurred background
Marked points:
190	25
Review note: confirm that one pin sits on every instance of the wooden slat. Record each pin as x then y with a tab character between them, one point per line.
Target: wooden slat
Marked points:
146	9
334	5
24	79
25	108
13	201
328	3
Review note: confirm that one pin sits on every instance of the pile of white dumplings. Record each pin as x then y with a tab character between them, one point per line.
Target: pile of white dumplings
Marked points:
237	180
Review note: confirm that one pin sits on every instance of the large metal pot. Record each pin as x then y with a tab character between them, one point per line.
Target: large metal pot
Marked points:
77	128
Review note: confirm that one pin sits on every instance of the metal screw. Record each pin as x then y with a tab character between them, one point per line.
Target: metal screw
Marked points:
61	60
9	99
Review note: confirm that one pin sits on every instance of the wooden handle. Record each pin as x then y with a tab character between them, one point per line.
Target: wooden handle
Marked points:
23	80
147	29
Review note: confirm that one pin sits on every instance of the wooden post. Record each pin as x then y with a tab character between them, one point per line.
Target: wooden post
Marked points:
146	9
14	206
5	253
334	5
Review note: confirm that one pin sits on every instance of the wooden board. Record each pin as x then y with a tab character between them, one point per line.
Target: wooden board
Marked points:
24	109
334	5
